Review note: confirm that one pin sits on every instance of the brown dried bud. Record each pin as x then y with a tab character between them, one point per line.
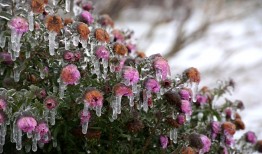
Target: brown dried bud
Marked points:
54	23
135	126
38	6
172	98
188	150
93	134
83	30
172	122
239	124
68	21
229	128
102	35
258	146
192	74
32	78
105	20
195	141
237	116
140	54
120	49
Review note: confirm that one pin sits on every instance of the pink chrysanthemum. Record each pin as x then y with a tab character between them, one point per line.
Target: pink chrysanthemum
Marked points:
26	124
251	137
18	25
70	74
42	129
206	142
185	94
162	67
50	103
102	53
201	99
163	141
186	107
181	119
93	98
3	104
87	17
152	85
130	75
85	117
122	90
68	56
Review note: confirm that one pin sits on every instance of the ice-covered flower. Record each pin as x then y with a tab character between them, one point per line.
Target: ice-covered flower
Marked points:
163	141
68	56
42	128
215	128
181	119
83	31
192	74
101	35
85	117
162	67
120	49
229	128
18	25
229	140
102	53
152	85
185	94
105	20
50	103
70	74
5	58
93	98
122	90
54	23
206	142
3	104
130	75
131	47
87	17
251	137
26	123
186	107
118	36
201	99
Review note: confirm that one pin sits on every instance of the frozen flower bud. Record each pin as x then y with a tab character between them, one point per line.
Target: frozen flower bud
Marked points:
195	141
3	104
130	75
83	31
85	117
186	107
105	20
50	103
68	56
38	6
166	83
162	67
228	112
102	53
118	35
5	58
206	142
258	146
135	126
201	100
152	85
240	105
122	90
77	56
188	150
88	6
239	124
185	94
42	129
192	74
93	98
68	21
172	98
18	25
172	122
26	123
120	49
54	23
163	141
229	128
181	119
237	116
41	94
70	75
87	17
101	35
251	137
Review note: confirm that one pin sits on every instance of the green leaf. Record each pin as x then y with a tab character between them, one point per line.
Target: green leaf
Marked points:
5	15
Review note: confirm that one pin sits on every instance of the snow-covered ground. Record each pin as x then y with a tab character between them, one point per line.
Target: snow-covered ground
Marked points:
229	49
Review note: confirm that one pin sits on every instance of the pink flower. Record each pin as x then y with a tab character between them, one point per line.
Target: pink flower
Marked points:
41	94
50	103
88	6
122	90
161	66
118	36
3	104
131	47
85	117
68	56
102	53
5	58
185	94
77	55
93	98
70	74
228	112
215	129
201	99
181	119
87	17
26	124
130	75
206	142
42	129
18	24
152	85
186	107
163	141
251	137
229	140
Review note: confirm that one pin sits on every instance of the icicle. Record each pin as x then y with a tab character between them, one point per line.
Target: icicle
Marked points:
105	67
52	116
84	127
67	5
188	117
118	104
114	116
76	9
194	88
2	41
158	75
127	82
97	68
134	88
54	143
1	149
46	113
67	43
62	88
75	40
131	100
37	136
19	140
145	106
54	2
27	148
84	43
51	38
41	145
31	20
174	134
29	134
34	144
173	115
16	74
27	54
98	110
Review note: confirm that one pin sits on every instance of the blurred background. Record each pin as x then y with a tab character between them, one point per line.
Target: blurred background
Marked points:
222	38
